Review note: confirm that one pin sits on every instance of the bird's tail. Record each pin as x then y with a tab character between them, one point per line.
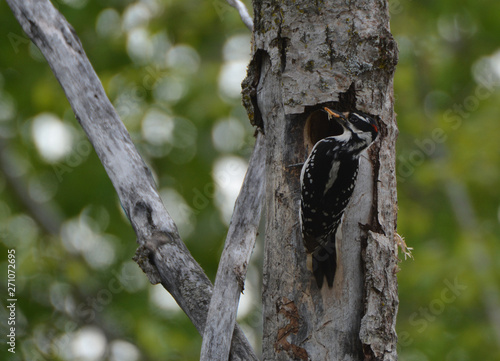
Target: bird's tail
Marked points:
324	263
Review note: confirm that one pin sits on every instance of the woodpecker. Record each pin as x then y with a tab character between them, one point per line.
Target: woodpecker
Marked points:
327	181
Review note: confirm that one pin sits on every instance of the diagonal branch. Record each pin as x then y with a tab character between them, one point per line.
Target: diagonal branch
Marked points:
161	253
242	10
232	270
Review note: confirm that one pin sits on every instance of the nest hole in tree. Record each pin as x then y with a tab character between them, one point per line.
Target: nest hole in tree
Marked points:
318	127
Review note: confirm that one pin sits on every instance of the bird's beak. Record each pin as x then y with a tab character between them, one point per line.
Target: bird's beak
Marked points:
341	117
333	113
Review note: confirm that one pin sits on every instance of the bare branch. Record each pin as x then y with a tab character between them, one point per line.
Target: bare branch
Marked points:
232	270
242	10
161	251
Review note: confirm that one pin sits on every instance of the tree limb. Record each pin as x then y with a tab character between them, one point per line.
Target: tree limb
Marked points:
242	10
232	270
161	251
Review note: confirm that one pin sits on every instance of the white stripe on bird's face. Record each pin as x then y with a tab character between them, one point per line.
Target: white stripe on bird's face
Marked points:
361	118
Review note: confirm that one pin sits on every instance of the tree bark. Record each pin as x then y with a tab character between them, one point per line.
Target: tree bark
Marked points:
307	55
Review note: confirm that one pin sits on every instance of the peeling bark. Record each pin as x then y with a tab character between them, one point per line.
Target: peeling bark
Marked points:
307	55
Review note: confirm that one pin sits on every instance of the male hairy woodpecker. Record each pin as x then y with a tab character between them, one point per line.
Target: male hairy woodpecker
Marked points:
327	181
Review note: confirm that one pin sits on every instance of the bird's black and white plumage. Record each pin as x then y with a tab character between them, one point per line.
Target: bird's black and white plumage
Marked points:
327	181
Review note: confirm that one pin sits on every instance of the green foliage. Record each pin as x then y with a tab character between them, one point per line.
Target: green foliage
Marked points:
448	166
160	63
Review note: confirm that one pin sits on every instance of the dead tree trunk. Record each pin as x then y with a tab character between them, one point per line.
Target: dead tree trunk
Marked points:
306	55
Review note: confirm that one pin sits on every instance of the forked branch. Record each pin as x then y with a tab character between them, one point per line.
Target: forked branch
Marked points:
161	252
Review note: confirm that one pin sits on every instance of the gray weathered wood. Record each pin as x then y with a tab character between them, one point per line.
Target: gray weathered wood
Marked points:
242	10
235	257
161	253
309	54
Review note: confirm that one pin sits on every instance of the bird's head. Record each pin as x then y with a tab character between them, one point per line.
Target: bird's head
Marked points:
357	123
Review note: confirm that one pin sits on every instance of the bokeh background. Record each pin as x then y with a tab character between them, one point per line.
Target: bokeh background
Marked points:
173	70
